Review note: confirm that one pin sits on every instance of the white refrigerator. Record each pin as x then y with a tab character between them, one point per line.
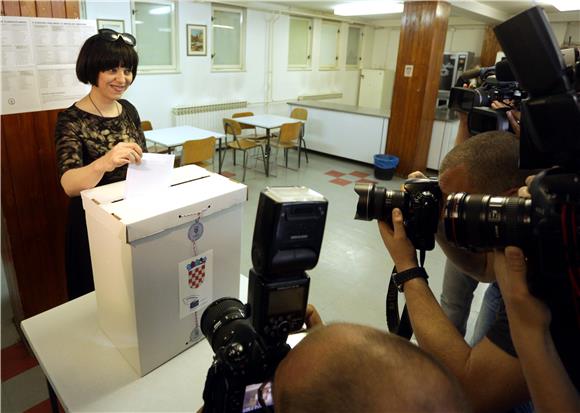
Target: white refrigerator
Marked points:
376	88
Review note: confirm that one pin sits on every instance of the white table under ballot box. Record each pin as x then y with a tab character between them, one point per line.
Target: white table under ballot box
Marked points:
159	261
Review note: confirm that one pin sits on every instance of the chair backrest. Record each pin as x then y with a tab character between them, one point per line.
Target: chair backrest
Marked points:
146	125
299	113
199	150
241	115
232	127
290	132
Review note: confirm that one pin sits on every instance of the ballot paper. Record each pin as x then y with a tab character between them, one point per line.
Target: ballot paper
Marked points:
151	178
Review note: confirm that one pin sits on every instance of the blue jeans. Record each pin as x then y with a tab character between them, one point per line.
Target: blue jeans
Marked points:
457	295
489	307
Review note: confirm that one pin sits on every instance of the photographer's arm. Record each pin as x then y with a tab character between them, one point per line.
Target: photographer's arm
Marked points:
529	318
491	378
463	129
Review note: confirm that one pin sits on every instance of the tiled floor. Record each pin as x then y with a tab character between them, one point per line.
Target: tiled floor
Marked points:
348	284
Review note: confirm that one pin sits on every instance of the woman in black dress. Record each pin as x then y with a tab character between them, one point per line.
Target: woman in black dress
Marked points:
96	138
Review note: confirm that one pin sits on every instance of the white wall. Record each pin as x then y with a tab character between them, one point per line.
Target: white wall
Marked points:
155	94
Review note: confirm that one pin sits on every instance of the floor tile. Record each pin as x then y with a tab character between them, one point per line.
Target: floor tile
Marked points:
366	181
359	174
340	181
228	174
15	360
335	173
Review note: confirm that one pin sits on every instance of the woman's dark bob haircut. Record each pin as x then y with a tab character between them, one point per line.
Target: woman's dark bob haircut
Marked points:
98	55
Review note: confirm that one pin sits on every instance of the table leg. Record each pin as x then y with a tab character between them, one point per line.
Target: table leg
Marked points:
220	160
267	154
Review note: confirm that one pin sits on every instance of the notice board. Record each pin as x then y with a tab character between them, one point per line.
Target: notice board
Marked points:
38	62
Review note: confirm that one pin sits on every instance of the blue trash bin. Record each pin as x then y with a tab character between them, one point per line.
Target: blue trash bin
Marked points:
385	166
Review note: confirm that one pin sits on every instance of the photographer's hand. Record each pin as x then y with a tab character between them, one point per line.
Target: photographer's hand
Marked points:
513	115
527	314
399	246
312	318
529	321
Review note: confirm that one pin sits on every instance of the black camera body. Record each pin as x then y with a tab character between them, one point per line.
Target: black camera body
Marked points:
249	341
419	201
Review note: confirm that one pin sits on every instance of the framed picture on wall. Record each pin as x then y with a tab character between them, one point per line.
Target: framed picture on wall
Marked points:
116	25
196	40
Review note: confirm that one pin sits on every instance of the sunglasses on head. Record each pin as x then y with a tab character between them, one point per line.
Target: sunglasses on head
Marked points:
112	36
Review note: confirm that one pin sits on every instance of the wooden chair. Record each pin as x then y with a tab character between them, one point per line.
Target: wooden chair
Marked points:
289	138
302	114
234	128
198	152
145	126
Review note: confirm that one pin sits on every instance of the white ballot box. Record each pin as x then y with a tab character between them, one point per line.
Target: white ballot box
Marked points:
159	261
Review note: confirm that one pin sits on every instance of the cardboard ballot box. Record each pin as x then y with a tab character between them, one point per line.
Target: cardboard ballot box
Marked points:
159	261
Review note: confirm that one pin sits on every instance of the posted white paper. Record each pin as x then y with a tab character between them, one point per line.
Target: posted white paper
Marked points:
151	178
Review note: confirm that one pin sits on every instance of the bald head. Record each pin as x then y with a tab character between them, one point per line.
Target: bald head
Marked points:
349	368
487	163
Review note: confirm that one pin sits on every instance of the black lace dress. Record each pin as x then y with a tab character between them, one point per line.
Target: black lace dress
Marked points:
81	138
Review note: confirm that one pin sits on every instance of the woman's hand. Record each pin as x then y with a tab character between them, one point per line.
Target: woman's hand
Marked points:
122	153
399	246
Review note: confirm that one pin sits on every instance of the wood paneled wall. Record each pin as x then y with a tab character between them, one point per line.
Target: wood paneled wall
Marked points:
33	203
489	48
421	44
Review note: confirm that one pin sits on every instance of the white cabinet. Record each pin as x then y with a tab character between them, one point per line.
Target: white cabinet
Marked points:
442	141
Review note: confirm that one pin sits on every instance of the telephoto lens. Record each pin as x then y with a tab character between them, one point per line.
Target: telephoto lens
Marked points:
226	326
377	202
483	222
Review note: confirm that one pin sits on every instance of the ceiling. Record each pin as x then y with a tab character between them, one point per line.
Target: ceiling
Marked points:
482	10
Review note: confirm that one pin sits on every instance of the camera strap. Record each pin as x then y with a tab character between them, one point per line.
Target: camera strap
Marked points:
399	326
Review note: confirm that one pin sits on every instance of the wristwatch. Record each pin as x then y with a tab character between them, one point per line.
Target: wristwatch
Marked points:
401	278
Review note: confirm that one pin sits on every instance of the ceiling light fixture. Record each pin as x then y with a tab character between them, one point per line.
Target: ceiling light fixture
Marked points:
366	8
564	5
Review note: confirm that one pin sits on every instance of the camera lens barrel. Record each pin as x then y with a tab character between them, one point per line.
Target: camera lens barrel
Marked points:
219	314
376	202
483	222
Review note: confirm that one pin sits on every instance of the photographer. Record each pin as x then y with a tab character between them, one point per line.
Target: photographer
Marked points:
489	371
458	287
354	368
549	385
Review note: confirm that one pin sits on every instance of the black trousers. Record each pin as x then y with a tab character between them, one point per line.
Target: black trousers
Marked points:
79	271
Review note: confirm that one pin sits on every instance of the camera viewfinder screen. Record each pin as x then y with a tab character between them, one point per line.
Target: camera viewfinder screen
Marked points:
284	301
251	403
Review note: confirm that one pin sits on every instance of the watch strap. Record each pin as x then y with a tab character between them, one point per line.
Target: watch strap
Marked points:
402	277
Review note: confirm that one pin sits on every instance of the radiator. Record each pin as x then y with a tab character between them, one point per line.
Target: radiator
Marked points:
321	96
207	117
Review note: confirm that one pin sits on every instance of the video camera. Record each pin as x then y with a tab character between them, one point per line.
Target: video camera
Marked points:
249	341
496	83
